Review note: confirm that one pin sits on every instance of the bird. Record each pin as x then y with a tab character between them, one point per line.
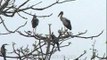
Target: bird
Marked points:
66	22
34	22
55	40
3	51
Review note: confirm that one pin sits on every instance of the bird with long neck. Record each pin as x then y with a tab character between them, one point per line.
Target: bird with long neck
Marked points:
3	51
55	40
35	23
65	21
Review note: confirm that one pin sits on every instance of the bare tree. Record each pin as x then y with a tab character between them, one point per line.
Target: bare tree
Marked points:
9	9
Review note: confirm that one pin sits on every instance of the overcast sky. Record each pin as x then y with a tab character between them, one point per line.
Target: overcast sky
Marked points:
84	15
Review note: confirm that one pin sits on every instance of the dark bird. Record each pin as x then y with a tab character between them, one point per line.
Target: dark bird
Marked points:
65	21
3	51
35	22
55	40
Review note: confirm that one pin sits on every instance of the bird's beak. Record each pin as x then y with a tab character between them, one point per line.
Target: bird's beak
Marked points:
6	44
59	14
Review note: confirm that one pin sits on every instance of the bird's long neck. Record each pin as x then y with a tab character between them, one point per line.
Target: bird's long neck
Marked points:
61	16
3	46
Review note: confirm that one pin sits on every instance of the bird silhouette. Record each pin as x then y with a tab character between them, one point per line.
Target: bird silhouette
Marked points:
55	40
3	51
66	22
34	22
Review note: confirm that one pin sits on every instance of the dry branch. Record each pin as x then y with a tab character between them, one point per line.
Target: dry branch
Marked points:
9	31
10	10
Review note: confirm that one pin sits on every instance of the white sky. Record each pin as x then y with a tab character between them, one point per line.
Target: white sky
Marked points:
84	15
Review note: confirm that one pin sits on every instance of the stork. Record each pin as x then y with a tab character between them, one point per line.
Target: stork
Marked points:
65	21
34	22
55	40
3	51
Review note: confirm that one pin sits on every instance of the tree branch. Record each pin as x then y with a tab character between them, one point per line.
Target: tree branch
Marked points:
9	31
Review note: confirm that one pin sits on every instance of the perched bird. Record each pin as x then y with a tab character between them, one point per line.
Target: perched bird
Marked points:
35	22
65	21
55	40
3	51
